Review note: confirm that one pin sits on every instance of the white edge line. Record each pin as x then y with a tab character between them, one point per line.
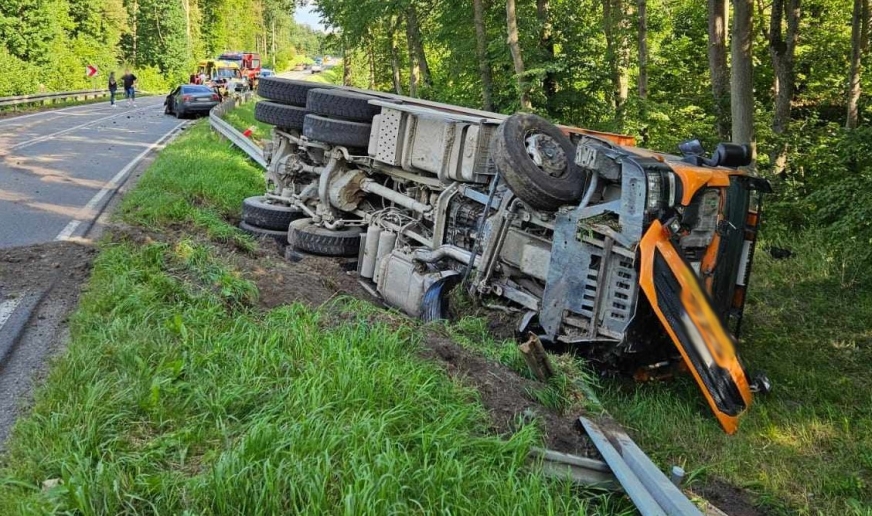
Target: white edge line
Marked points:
7	308
13	119
113	184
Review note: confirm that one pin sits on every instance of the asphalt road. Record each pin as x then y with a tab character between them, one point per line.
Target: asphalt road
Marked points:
58	168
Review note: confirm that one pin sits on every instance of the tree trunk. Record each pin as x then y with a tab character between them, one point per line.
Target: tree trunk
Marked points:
617	54
417	45
741	81
395	61
484	68
413	61
717	56
858	20
546	47
517	59
643	49
782	48
346	64
371	52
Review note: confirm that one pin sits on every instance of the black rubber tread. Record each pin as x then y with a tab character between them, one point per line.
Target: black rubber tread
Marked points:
305	236
435	305
337	132
336	103
530	183
278	236
257	211
287	91
279	115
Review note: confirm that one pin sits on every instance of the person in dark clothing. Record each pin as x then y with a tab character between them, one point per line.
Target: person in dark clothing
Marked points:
129	82
113	87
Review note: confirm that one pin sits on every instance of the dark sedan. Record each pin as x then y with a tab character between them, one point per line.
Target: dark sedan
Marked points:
190	99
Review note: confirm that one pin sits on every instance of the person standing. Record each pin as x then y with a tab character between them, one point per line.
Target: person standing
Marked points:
129	82
113	87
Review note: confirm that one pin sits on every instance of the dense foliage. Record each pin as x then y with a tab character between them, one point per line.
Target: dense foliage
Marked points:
46	44
579	55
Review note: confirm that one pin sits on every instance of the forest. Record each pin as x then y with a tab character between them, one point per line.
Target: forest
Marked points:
784	75
46	44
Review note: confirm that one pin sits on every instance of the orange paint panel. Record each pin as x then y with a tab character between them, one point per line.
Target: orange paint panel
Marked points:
617	139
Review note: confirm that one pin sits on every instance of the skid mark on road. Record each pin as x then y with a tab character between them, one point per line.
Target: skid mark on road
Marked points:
87	213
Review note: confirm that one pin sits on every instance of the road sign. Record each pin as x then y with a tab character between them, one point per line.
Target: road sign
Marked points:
91	70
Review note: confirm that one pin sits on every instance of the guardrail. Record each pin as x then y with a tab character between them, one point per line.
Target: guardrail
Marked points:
228	131
42	97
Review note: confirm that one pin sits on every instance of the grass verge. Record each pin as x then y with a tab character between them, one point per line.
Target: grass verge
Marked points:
242	118
806	448
178	396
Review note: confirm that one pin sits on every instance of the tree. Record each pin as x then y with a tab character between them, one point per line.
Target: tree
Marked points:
517	58
717	57
859	42
484	68
615	21
643	49
546	48
782	49
741	79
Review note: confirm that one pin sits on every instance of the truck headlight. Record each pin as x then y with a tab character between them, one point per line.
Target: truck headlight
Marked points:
661	191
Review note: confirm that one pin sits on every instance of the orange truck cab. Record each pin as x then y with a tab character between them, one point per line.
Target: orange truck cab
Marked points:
248	62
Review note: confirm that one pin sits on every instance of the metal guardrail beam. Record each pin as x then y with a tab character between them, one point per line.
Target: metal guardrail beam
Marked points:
40	97
230	132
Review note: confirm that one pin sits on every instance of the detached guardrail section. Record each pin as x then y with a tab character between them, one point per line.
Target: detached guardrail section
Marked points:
36	98
228	131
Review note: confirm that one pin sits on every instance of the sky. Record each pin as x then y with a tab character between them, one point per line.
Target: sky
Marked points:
308	16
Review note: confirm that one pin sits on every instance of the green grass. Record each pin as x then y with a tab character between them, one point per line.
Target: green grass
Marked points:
177	395
806	448
242	118
332	75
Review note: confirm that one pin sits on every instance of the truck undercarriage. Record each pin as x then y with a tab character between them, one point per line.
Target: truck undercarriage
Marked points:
635	259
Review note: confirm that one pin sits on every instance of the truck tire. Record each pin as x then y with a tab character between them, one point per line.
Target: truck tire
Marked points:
435	305
287	91
279	115
305	236
556	182
347	105
337	132
258	211
278	236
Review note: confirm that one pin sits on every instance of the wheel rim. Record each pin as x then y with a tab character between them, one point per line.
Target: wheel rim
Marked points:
546	153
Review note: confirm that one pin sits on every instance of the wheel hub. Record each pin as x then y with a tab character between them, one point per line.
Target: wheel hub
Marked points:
546	153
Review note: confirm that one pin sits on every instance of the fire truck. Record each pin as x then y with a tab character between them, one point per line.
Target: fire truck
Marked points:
248	62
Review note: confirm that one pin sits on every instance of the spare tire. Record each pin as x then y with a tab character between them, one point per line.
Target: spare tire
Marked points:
536	160
280	115
305	236
258	211
287	91
337	132
342	104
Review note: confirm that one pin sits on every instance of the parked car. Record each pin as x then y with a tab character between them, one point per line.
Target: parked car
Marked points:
266	72
190	99
634	259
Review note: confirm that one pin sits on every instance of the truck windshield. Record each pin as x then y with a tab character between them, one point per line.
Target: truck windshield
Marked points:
226	73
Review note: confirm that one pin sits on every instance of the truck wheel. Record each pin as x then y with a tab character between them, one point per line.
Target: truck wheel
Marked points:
278	236
279	115
305	236
287	91
342	104
337	132
536	161
258	211
435	305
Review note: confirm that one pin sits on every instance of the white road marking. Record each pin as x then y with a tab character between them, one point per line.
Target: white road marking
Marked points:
8	307
13	119
71	129
85	213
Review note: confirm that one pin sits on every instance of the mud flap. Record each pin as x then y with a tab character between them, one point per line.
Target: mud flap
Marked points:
686	312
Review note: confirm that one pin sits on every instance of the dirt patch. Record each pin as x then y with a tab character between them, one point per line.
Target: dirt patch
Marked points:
36	267
730	499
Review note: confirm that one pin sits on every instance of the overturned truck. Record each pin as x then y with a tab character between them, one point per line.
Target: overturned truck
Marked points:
635	259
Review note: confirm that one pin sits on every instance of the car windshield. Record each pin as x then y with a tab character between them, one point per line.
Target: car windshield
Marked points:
226	73
196	89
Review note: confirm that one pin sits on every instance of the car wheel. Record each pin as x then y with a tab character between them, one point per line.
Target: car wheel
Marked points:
303	235
342	104
258	211
279	115
337	132
286	91
180	113
536	160
278	236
